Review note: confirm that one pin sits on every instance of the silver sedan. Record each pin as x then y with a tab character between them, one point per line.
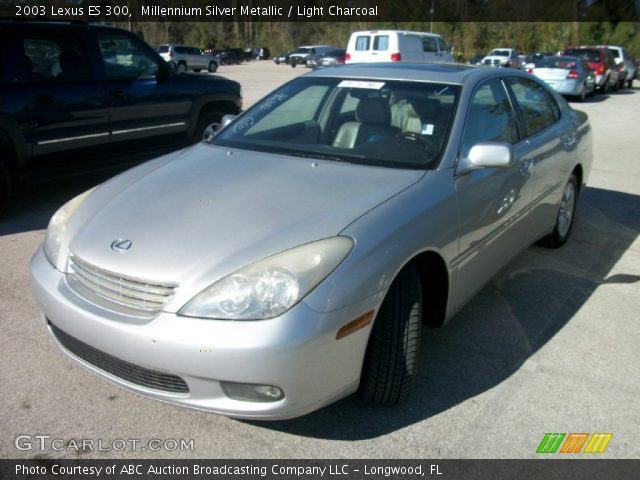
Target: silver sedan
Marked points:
567	75
293	258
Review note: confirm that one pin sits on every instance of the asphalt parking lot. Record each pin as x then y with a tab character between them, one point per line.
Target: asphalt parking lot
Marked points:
550	345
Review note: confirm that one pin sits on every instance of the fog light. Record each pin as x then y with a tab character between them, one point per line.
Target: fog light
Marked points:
248	392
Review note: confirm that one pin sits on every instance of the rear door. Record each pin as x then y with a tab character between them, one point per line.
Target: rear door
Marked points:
551	145
68	116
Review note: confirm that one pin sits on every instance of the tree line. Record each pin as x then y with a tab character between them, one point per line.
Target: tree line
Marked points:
467	38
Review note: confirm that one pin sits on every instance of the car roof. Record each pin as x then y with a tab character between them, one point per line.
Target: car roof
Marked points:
453	73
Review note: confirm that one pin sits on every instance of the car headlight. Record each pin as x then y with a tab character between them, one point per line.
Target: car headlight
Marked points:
58	226
272	286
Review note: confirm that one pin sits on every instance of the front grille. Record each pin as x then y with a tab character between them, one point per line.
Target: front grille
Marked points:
121	369
117	292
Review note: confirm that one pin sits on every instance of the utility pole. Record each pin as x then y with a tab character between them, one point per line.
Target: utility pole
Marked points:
431	12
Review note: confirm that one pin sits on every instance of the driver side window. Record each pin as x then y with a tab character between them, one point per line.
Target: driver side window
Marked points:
123	57
490	117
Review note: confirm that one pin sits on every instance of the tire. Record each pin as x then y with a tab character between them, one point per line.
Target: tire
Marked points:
566	214
277	62
583	94
206	119
616	87
630	83
605	87
391	360
213	67
5	189
182	67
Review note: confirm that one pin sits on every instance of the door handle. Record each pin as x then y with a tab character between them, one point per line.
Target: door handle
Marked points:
570	141
525	167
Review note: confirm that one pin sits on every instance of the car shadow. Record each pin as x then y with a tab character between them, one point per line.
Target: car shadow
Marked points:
515	315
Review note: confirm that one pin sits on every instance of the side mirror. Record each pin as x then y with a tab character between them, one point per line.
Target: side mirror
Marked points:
226	120
487	155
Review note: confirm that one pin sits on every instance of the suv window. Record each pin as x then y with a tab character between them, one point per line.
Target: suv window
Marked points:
124	57
539	108
362	43
441	45
381	42
55	56
490	118
429	44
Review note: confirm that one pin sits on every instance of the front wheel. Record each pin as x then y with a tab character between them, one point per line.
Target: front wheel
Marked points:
208	124
564	219
182	67
391	360
213	67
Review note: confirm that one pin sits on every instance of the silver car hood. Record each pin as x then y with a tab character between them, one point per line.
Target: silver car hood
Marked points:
211	210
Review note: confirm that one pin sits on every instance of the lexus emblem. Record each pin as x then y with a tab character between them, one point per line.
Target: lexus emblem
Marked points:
121	245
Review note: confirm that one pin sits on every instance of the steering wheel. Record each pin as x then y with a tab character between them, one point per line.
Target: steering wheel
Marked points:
412	136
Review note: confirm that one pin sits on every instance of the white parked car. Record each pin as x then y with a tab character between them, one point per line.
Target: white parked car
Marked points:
503	57
396	46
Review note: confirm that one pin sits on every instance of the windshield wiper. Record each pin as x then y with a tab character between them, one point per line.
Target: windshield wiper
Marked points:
317	156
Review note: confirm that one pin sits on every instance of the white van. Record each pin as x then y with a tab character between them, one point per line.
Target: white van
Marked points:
396	46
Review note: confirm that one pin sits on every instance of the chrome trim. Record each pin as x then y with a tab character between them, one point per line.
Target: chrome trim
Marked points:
154	127
113	291
69	139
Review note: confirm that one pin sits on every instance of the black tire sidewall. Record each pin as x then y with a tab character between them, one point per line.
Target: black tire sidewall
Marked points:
391	360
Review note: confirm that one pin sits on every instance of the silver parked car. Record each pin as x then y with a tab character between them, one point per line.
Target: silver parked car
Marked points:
293	259
567	75
187	58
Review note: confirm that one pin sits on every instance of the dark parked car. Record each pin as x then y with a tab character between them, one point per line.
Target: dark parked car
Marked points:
229	57
77	97
283	57
327	59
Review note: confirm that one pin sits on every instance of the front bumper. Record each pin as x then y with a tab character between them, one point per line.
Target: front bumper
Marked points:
296	352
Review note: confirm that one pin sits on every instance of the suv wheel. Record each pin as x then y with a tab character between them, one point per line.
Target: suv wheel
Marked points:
208	124
182	67
213	67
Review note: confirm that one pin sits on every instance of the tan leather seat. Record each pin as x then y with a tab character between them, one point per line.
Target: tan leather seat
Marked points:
373	117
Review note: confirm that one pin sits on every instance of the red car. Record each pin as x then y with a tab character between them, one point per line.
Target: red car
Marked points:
602	62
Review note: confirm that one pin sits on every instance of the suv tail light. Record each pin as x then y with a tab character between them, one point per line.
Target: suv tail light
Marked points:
170	54
347	57
600	70
396	57
530	70
572	74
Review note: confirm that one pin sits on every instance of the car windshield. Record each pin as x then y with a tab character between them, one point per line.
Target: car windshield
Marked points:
387	123
163	49
499	53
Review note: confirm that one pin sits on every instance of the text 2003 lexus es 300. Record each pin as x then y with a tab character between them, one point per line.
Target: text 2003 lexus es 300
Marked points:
292	259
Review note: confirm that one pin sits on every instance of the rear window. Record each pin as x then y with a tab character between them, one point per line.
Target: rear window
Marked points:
381	42
363	42
558	62
587	54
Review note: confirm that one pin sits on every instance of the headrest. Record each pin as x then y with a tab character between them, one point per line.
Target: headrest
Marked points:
426	108
373	110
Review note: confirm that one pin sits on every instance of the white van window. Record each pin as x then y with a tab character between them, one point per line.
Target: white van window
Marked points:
429	44
362	43
381	42
441	45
